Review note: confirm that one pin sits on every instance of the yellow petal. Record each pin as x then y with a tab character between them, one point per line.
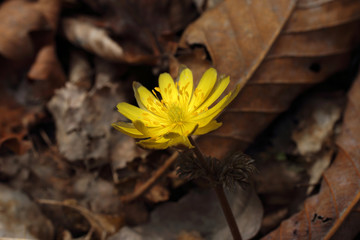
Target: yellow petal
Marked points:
128	129
185	85
160	143
152	132
203	89
217	91
211	126
147	101
185	129
134	113
163	143
205	117
168	89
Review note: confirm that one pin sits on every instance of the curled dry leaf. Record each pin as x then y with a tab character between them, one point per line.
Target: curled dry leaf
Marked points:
92	38
13	122
19	20
279	49
145	29
46	65
325	212
28	29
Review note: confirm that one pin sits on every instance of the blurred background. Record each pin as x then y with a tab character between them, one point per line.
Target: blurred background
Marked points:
66	174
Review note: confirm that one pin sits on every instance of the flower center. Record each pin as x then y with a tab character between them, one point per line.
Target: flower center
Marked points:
176	114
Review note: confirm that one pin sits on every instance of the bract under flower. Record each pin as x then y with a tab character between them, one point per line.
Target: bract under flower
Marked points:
179	112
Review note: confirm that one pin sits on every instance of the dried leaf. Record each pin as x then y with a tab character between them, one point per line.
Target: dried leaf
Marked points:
146	30
324	213
13	122
248	29
92	38
46	65
18	19
83	129
306	18
275	65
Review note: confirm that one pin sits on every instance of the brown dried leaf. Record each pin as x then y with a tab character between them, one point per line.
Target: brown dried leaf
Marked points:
13	125
18	20
248	29
46	65
244	40
307	18
325	212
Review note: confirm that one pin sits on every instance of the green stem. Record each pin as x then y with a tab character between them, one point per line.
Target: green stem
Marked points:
220	194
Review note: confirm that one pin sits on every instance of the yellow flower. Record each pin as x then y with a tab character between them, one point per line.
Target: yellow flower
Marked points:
166	121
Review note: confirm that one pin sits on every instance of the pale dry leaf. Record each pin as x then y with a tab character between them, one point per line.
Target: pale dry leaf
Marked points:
317	121
92	38
83	127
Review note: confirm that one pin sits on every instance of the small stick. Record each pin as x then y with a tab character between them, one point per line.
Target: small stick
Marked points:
151	181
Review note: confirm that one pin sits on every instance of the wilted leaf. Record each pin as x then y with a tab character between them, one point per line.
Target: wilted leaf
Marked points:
13	125
18	20
324	213
82	121
46	66
276	65
132	31
92	38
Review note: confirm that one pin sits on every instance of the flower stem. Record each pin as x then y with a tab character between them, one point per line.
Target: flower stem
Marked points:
220	194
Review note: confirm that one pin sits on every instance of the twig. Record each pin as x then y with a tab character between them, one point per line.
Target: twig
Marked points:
98	224
151	181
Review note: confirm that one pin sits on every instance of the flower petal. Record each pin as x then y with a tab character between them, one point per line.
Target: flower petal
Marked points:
219	88
168	89
160	143
185	85
203	89
152	132
185	129
211	126
205	117
128	129
134	113
147	101
163	143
